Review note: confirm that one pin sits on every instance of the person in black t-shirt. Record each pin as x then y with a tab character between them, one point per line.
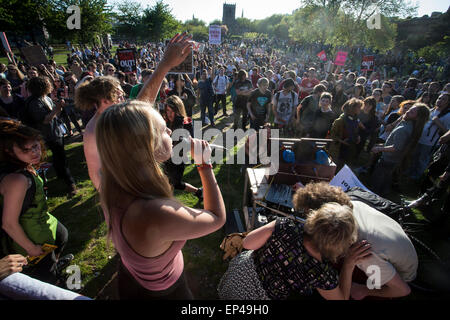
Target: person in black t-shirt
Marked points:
244	88
41	114
258	104
323	117
10	102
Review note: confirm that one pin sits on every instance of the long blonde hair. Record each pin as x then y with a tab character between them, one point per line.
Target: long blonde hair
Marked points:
128	137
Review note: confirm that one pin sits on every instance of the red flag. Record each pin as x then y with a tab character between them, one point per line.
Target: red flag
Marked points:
322	55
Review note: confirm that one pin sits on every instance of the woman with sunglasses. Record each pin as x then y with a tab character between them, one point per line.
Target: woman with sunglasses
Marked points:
186	94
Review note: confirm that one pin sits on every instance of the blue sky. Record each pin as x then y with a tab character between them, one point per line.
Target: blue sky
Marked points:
209	10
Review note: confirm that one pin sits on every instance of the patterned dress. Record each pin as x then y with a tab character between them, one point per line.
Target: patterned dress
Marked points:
279	269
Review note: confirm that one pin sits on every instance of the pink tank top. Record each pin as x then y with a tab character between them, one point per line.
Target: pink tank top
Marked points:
154	274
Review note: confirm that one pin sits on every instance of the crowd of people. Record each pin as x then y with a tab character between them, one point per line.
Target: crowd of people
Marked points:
400	122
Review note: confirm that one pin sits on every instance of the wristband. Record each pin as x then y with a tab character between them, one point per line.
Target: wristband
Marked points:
205	165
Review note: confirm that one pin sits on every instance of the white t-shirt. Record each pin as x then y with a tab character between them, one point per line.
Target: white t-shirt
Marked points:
392	250
285	106
220	84
430	133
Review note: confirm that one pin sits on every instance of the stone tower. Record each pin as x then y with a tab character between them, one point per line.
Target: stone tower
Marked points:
229	15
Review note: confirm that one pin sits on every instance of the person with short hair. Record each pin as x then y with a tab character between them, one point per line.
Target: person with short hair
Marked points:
307	109
391	249
220	84
286	258
307	85
258	104
323	117
345	133
284	105
243	88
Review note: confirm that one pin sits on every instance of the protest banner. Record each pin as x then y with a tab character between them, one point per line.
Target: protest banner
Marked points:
341	57
187	66
127	60
322	55
215	35
34	55
346	179
367	64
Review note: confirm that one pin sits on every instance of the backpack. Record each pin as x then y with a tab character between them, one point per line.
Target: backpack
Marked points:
277	96
27	201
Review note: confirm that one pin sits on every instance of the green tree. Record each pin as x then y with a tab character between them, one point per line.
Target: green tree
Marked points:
344	22
128	19
160	22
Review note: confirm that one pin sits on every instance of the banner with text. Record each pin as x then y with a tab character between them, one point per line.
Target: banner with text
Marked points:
346	179
367	64
127	60
215	35
322	55
341	57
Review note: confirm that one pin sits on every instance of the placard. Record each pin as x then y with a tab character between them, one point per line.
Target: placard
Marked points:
322	55
215	35
341	57
34	55
367	64
127	60
346	179
187	66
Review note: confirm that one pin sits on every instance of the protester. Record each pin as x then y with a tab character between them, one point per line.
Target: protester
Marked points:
286	257
42	114
284	105
437	125
10	102
103	92
307	85
306	111
206	97
391	249
323	117
258	105
345	133
398	146
243	88
186	94
220	84
176	118
148	227
15	77
26	223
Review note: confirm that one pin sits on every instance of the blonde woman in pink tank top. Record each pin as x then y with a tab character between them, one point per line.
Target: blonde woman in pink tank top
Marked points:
146	224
